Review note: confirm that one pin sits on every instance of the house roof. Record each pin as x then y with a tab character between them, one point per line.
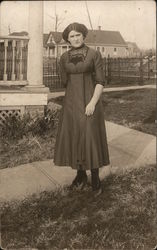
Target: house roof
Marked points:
96	36
21	33
57	37
45	38
105	37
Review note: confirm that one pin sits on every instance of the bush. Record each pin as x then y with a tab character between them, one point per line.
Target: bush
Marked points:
17	127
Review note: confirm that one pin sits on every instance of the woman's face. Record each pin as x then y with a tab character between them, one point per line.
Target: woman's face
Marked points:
75	38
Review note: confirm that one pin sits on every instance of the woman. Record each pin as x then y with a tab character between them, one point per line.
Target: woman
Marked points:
81	140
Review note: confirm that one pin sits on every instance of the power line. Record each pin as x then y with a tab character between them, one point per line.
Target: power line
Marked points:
89	15
90	21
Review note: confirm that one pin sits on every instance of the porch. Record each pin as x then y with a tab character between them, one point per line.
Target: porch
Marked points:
13	61
21	69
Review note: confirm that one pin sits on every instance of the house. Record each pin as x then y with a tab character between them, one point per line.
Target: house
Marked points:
109	43
133	50
54	45
22	33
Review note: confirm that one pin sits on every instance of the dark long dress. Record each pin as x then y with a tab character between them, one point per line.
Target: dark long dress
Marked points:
81	139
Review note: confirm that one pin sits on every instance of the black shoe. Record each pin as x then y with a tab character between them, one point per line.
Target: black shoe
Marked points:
80	179
97	186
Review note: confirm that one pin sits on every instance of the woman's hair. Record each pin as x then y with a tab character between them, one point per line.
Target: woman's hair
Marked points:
77	27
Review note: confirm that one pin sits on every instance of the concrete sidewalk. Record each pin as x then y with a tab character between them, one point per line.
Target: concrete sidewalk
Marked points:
128	149
108	89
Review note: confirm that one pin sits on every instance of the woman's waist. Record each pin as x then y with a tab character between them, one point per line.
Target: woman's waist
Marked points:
80	73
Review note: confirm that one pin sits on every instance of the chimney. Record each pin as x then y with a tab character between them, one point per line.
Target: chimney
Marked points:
99	27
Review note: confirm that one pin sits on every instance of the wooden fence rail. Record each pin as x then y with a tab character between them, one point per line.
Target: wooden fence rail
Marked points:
116	70
134	69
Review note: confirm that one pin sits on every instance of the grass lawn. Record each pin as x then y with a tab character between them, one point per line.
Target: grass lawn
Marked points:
123	217
28	149
132	108
135	109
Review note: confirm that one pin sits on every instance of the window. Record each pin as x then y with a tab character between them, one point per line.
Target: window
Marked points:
103	49
51	40
64	49
98	48
115	51
52	51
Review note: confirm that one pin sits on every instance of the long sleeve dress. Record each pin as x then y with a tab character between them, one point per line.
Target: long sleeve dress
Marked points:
81	139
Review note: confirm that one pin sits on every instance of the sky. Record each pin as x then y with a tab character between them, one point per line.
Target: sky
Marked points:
135	20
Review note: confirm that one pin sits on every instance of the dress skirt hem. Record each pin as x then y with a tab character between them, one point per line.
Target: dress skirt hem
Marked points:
77	167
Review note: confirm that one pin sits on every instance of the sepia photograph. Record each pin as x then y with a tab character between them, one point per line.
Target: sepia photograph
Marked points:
78	125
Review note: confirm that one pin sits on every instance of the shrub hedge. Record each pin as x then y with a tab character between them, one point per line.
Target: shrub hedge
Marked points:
15	127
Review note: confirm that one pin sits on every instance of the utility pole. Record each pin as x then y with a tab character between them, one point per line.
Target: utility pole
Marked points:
9	29
90	21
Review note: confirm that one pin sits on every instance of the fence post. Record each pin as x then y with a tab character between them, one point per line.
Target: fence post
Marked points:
148	68
141	70
108	69
104	67
119	68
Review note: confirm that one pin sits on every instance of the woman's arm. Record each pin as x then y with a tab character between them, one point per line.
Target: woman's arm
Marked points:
91	105
99	81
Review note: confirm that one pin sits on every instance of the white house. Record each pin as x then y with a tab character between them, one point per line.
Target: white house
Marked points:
109	43
133	50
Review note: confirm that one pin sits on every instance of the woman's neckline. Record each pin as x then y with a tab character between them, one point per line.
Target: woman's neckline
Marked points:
76	48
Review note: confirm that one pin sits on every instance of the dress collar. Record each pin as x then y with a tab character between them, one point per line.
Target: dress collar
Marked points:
78	52
82	46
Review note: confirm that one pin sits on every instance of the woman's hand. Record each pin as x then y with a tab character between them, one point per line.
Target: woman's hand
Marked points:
95	98
90	109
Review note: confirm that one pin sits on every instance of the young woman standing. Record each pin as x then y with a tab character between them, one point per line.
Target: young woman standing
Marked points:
81	140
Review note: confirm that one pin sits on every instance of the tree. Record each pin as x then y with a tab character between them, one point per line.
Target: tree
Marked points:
58	21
